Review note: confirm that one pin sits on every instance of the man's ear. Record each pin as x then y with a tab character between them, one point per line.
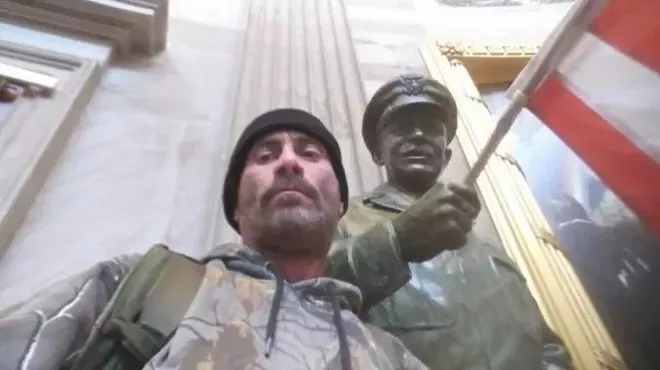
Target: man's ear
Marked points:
236	217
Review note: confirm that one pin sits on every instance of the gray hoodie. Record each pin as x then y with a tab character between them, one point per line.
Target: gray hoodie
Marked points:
244	315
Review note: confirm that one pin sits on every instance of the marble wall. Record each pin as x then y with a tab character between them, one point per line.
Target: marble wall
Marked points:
137	169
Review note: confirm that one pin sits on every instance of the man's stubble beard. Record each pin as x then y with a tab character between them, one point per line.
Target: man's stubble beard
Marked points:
294	231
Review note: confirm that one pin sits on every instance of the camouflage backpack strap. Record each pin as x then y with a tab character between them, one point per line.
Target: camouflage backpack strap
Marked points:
143	313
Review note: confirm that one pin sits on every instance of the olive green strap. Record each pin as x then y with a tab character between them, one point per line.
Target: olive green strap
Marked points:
143	313
168	301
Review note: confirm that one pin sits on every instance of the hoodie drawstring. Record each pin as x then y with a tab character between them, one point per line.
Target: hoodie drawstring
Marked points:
271	325
274	311
344	351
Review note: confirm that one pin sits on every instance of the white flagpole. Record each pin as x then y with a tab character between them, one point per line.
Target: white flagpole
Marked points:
557	45
502	127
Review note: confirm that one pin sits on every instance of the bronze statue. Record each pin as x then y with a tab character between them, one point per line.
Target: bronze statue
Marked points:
455	300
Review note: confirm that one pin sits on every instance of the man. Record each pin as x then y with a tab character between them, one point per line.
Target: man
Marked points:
453	307
263	304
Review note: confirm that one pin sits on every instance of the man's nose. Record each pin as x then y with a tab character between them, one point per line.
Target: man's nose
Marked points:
417	132
289	163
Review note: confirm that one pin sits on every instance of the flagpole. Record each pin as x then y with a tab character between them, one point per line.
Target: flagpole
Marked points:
502	127
558	44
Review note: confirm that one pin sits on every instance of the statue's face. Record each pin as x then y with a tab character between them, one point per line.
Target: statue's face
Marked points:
413	146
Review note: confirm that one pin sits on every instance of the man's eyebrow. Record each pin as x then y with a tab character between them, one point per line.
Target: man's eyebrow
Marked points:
267	141
306	139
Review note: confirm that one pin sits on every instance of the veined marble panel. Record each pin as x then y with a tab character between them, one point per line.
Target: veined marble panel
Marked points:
138	168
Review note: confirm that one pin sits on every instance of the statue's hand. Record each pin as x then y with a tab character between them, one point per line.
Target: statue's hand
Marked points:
438	221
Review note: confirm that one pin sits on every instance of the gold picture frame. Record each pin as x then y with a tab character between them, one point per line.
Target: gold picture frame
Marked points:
523	229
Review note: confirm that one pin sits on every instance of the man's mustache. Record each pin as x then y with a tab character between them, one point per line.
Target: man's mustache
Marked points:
288	182
417	147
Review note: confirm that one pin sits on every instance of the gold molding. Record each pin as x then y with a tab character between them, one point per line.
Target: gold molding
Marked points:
490	64
515	213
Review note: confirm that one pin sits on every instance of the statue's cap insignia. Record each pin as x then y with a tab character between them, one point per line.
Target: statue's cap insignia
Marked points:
411	85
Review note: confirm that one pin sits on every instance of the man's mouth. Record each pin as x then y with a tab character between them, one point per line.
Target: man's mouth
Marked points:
290	198
284	186
417	154
290	191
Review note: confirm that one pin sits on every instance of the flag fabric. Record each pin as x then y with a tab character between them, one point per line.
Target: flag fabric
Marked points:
601	96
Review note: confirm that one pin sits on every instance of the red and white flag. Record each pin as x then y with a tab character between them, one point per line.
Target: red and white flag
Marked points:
600	93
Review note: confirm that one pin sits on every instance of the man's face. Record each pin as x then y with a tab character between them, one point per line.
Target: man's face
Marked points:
413	145
288	189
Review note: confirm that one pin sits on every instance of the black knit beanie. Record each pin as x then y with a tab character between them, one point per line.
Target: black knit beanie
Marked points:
277	120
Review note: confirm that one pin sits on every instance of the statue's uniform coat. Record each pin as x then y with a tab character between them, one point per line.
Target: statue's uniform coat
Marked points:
464	309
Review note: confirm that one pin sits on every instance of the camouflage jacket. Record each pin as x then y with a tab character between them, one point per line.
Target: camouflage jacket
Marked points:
241	305
468	309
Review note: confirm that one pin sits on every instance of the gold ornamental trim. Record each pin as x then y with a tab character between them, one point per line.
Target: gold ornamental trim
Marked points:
513	209
490	64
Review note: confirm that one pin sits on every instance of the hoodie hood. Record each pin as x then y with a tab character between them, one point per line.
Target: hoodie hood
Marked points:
334	294
241	258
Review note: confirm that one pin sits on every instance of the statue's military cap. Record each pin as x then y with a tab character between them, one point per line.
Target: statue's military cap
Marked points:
402	91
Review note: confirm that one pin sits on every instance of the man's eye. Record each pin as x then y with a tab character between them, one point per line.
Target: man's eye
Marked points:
264	156
311	153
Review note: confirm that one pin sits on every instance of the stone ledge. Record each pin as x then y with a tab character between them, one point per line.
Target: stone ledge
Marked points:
130	26
37	129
